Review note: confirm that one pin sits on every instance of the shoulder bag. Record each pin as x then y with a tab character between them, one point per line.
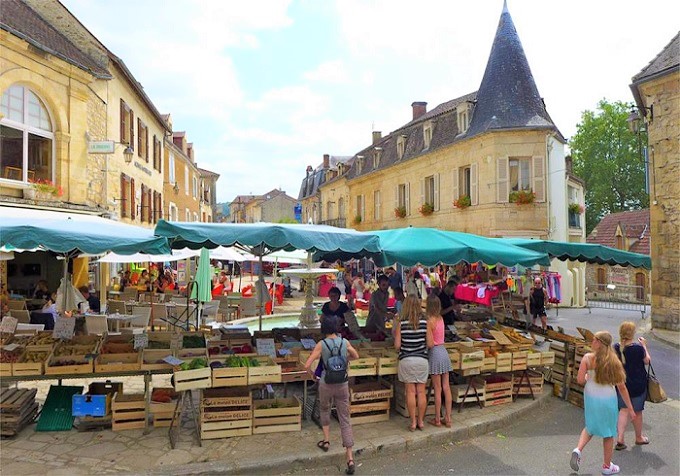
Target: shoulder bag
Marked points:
655	393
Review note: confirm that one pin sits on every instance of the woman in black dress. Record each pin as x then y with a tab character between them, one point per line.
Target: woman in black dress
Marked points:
335	307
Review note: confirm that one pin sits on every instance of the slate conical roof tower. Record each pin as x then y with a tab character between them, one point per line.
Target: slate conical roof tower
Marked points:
508	97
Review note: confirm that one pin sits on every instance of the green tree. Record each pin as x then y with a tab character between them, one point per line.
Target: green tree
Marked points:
608	156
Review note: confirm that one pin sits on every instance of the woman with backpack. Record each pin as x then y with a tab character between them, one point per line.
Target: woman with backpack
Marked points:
411	339
334	352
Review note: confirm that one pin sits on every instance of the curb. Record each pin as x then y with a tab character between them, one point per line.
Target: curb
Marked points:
386	445
662	339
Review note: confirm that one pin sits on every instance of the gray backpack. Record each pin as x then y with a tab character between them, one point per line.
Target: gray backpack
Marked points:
336	366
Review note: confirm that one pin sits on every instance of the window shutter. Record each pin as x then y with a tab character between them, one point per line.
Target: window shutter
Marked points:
473	185
539	178
132	129
123	113
396	197
123	196
146	145
502	193
363	207
408	198
139	137
149	203
160	206
436	192
454	188
132	199
422	191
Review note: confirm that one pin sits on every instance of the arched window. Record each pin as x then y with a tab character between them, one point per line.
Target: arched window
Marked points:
26	137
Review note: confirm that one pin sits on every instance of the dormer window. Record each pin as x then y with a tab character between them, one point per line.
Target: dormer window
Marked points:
377	155
401	146
427	135
360	163
463	111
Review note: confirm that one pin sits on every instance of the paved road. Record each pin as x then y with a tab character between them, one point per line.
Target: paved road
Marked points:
541	443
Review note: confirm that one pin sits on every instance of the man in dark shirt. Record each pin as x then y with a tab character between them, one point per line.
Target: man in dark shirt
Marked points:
92	300
395	279
377	307
445	297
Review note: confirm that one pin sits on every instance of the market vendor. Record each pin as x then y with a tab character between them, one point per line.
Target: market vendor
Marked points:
335	307
446	299
377	307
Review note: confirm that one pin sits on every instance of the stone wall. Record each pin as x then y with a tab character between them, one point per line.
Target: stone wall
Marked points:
664	155
622	277
96	163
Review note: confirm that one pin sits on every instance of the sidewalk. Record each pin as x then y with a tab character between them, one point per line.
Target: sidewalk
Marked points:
667	337
131	452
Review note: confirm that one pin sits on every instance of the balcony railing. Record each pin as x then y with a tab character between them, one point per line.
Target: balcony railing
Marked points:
337	222
574	220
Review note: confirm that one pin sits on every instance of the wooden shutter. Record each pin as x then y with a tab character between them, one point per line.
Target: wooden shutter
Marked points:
146	144
396	197
539	178
123	113
473	185
139	137
132	199
132	129
408	198
123	196
160	206
363	207
436	192
502	193
149	206
454	187
422	191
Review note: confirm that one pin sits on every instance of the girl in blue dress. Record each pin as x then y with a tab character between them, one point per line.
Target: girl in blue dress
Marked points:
602	373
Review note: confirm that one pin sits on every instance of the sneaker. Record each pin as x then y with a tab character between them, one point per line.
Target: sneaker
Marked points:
612	469
575	459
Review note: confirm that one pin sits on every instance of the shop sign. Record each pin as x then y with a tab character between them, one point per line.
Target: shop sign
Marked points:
100	147
142	168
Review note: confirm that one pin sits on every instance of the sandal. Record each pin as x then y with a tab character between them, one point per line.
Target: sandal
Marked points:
620	446
645	441
434	422
421	426
324	445
447	423
350	467
411	428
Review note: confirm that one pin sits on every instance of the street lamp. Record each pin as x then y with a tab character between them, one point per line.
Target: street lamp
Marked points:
128	153
638	125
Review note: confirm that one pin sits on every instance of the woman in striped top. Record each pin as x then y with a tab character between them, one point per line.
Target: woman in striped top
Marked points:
411	340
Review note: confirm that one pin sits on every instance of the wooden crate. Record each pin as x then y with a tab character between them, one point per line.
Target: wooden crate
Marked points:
370	402
164	341
519	360
163	412
151	359
504	362
388	365
43	340
459	395
190	379
498	400
128	411
400	401
533	359
18	408
80	365
226	412
23	368
535	384
229	376
494	383
454	356
489	364
267	372
118	362
287	417
188	354
547	359
471	360
366	366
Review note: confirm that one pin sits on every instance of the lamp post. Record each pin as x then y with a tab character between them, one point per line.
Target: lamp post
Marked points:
638	126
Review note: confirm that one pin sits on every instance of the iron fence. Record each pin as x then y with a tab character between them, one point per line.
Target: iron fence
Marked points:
617	296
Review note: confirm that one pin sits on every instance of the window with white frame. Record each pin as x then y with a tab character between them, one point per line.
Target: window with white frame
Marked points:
26	137
377	214
401	146
173	212
360	163
361	207
171	168
195	187
463	116
402	197
517	175
377	155
341	207
465	183
329	210
520	174
427	135
187	215
430	191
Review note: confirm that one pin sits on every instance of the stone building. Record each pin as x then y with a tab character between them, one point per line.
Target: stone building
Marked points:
332	168
182	181
469	165
627	231
656	90
271	207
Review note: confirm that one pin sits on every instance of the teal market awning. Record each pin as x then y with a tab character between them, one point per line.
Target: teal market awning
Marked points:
430	246
72	234
264	238
583	252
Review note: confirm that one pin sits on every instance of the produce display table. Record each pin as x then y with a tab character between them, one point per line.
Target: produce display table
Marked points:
147	374
468	292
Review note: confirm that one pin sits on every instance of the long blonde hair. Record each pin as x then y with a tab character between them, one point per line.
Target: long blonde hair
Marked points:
433	307
411	311
608	368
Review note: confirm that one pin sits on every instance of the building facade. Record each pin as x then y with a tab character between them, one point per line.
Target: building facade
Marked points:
332	168
490	162
209	208
627	231
656	90
182	181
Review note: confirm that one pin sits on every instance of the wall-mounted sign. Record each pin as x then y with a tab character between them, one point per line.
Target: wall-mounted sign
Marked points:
100	147
142	168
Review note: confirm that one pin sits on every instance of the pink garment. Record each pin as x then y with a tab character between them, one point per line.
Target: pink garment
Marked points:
438	332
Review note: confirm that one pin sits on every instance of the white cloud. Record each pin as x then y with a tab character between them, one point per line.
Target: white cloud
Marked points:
334	72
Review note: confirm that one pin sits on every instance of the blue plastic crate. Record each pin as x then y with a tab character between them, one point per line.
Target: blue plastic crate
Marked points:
90	405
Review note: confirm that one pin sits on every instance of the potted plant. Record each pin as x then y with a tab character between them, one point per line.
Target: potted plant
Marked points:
576	208
462	202
426	209
400	212
45	188
357	219
522	197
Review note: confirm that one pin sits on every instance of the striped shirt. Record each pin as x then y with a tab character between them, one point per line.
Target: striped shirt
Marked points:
413	342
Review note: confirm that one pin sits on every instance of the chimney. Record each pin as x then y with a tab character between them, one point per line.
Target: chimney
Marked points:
377	135
190	150
419	108
309	169
326	161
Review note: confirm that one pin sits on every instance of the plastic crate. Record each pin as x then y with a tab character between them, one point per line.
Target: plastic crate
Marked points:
91	405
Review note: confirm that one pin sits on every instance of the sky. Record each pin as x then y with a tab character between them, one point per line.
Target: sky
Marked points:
264	88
